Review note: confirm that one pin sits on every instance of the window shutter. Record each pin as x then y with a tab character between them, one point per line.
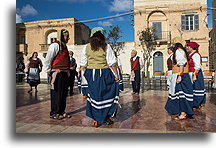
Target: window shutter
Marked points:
183	22
196	21
157	26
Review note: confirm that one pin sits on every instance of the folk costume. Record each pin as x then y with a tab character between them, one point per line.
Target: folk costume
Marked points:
169	67
180	94
103	90
73	73
195	65
34	69
57	65
119	64
136	66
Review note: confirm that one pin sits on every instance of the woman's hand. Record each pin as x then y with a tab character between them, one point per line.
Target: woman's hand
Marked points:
78	74
117	78
179	79
194	78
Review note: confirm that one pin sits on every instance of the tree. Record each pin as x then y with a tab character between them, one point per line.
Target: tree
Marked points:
147	39
114	34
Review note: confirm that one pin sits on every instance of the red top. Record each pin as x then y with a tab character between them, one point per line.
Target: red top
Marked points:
135	65
34	63
62	60
191	62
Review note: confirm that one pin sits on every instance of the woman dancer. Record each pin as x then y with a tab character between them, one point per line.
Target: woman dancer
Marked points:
34	65
180	100
103	89
196	74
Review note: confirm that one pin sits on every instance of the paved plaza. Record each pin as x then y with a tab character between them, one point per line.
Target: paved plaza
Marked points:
142	113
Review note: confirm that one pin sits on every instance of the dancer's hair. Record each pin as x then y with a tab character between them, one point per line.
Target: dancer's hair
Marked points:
97	41
177	46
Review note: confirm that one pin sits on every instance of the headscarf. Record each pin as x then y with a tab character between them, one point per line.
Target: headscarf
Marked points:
193	45
96	29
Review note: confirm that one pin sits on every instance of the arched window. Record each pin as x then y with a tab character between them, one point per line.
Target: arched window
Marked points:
158	65
50	36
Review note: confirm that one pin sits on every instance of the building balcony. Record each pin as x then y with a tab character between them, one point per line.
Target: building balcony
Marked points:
163	37
21	48
44	47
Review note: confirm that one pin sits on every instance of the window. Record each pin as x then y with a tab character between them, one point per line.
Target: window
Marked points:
204	59
157	28
22	40
190	22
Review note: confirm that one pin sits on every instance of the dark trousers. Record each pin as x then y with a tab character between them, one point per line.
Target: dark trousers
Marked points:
59	94
71	80
136	83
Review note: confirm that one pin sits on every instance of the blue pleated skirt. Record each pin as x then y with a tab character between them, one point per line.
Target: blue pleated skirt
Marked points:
82	85
199	91
121	85
102	94
182	100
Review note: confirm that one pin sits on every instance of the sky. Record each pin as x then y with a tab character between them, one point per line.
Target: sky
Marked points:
33	10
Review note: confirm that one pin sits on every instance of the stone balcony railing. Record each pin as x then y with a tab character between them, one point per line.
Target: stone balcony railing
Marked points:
44	47
21	48
164	36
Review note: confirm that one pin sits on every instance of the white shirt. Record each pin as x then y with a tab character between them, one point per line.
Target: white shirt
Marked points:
180	57
110	57
119	62
196	59
51	54
140	62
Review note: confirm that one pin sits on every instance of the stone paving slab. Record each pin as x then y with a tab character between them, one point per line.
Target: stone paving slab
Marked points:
142	113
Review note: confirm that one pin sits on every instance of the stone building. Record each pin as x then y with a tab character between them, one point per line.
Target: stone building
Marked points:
180	18
212	43
38	35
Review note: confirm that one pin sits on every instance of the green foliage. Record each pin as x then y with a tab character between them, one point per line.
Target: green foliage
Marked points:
114	34
147	42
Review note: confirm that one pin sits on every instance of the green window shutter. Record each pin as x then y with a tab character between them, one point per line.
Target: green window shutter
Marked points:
196	21
183	22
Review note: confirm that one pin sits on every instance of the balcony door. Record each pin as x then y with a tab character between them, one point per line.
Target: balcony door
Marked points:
157	27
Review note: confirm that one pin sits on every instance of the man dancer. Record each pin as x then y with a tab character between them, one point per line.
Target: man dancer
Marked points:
136	66
57	65
73	72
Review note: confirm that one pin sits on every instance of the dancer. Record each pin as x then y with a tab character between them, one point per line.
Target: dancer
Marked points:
34	66
120	72
73	72
20	70
180	100
136	66
196	74
103	89
57	66
82	83
169	65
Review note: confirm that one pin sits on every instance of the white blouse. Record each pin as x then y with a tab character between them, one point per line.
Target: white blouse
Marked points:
119	62
180	57
110	57
197	63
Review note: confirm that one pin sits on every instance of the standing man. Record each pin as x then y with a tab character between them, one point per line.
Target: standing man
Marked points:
57	65
136	66
73	72
169	65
